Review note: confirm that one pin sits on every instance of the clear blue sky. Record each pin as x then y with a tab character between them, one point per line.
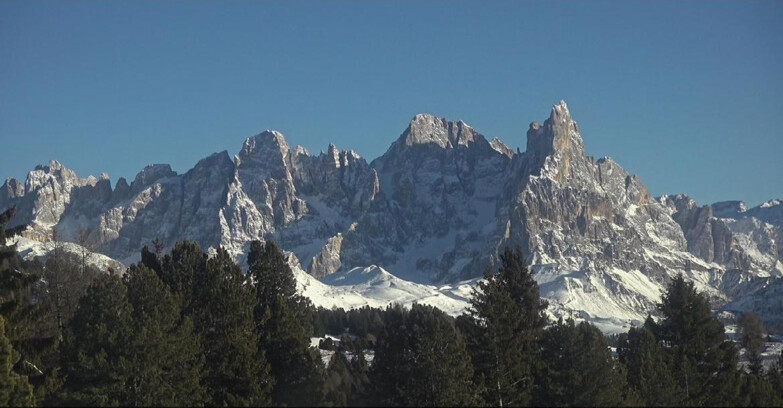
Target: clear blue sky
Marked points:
688	95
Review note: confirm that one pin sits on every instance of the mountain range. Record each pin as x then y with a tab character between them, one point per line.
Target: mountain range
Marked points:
426	219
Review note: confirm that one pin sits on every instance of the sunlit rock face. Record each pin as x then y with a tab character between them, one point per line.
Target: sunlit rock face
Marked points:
437	208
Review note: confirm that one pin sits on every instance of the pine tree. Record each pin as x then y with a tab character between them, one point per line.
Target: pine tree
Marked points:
648	368
704	360
25	304
506	319
164	352
17	285
152	260
339	383
283	320
752	335
237	373
579	369
66	283
757	391
360	370
179	270
422	360
5	219
15	390
96	360
775	378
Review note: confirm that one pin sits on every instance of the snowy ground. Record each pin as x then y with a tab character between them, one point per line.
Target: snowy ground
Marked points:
326	355
30	249
374	286
769	353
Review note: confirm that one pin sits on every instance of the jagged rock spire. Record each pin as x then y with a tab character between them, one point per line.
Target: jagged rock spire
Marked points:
558	138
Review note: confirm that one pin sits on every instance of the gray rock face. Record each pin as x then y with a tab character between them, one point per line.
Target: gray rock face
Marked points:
600	243
707	238
440	183
267	180
328	261
46	195
342	179
437	207
11	189
268	191
730	234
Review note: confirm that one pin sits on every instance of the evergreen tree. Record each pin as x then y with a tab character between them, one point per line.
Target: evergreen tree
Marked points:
579	369
339	383
704	360
15	390
180	269
152	260
648	368
5	231
752	336
97	364
506	319
283	319
421	360
775	378
66	283
360	370
166	363
237	373
16	284
757	391
25	302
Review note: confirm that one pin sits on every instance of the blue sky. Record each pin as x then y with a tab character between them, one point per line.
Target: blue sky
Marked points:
685	94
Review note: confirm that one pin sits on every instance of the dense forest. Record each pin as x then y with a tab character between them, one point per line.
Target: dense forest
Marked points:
183	328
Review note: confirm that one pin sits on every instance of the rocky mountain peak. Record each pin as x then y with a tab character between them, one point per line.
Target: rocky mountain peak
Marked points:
560	113
122	185
771	203
263	143
55	177
501	147
151	174
559	140
334	154
12	188
558	134
220	159
266	152
299	151
54	170
729	209
429	129
53	166
677	202
770	212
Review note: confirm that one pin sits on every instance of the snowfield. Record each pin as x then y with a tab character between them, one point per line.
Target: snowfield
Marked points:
375	287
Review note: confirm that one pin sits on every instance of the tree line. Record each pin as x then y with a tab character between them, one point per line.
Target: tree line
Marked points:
183	328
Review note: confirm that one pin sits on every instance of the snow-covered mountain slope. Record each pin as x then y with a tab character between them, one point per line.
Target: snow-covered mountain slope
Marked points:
435	209
30	249
373	286
764	298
